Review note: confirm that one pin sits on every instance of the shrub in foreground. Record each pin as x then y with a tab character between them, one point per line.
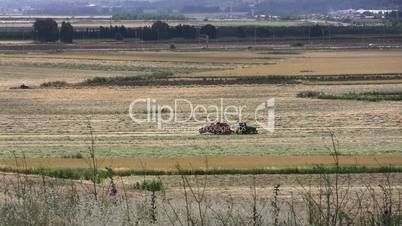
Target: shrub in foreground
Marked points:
149	185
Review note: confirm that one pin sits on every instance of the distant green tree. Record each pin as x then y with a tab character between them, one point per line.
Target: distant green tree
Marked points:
186	31
45	30
209	30
161	29
316	31
148	34
66	32
118	36
241	33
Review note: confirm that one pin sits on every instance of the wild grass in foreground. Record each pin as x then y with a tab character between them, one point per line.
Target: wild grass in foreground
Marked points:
333	201
86	174
370	96
102	197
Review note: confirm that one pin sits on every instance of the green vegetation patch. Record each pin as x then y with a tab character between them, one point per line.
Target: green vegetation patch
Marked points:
149	185
65	173
258	171
369	96
54	84
195	149
167	78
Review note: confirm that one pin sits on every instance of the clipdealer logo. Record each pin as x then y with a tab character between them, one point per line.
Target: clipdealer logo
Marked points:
162	114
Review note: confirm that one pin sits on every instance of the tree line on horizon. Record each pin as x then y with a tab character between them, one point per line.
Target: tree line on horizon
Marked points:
47	30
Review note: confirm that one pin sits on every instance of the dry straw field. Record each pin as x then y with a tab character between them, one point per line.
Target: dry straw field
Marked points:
51	123
57	138
96	22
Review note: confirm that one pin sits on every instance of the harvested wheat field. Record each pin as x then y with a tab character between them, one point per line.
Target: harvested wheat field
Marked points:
324	63
73	64
84	142
52	123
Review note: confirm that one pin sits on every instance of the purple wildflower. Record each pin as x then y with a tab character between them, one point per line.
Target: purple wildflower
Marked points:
113	191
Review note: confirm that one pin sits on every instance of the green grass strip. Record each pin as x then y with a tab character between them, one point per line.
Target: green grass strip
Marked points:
370	96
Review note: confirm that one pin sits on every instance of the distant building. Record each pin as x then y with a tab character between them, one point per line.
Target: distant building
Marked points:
360	15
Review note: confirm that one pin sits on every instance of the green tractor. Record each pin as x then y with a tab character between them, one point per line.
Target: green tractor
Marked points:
244	129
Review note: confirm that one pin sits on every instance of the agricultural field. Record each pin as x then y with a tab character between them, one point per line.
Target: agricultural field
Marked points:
50	125
322	63
105	21
68	129
77	66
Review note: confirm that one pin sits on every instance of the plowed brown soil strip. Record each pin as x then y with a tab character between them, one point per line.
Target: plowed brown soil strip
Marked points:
213	162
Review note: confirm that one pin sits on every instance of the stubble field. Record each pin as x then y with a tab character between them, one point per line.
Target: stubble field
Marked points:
51	123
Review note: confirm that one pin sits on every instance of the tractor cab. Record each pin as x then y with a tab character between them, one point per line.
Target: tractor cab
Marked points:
244	129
